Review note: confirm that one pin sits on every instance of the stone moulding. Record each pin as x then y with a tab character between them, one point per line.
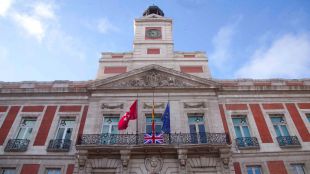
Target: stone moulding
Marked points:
116	106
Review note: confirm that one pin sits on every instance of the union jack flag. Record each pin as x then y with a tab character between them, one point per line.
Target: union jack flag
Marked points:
156	139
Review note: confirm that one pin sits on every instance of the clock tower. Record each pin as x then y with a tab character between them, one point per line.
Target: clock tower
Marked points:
153	35
153	45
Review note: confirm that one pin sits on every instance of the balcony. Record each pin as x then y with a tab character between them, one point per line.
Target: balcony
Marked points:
288	141
164	139
59	145
17	145
247	143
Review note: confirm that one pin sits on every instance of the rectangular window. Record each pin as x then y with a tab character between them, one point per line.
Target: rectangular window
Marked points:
8	171
65	129
110	123
279	125
254	169
157	120
197	129
53	171
241	126
298	168
25	128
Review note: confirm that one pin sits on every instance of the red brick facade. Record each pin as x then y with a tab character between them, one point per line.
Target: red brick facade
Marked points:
237	168
8	122
261	123
276	167
45	126
153	51
115	69
30	169
191	69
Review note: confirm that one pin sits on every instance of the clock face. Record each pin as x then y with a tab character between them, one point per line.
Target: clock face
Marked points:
153	33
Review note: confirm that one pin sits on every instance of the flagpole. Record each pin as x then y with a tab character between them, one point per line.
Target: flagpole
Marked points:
153	122
137	125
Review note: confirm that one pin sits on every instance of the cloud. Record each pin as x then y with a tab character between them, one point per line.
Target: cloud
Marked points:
287	57
104	26
222	45
44	10
31	24
5	6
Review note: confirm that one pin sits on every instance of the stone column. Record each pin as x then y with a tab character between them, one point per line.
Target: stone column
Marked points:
182	156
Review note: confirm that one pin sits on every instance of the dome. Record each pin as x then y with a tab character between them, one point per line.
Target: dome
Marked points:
153	9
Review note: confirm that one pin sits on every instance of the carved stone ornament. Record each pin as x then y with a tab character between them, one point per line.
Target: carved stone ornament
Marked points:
156	106
153	165
107	106
153	78
196	105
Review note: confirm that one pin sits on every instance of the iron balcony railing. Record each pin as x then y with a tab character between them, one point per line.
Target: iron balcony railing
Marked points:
288	141
247	142
59	145
17	145
138	139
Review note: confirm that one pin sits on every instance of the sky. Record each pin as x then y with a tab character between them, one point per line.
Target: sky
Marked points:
50	40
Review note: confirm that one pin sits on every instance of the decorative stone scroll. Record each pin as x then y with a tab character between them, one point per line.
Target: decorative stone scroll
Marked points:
153	164
107	106
156	106
196	105
153	78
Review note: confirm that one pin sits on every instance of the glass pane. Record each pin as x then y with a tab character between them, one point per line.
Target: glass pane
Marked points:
276	120
236	121
249	170
308	118
21	133
105	129
192	128
201	128
246	131
68	133
28	133
148	129
276	128
53	171
8	171
29	123
257	170
158	129
114	129
195	119
284	130
238	132
60	133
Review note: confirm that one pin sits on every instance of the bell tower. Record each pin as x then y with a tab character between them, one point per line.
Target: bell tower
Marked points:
153	35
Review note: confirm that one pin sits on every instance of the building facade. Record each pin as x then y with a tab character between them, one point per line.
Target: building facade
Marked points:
217	126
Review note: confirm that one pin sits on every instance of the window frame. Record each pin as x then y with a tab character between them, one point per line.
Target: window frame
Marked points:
156	115
291	165
58	127
203	122
19	127
51	168
245	116
282	115
2	169
109	115
253	168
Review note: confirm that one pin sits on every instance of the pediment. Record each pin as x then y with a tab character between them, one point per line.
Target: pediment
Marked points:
153	76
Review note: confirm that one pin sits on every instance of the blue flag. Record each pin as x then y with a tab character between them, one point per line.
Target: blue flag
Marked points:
166	120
